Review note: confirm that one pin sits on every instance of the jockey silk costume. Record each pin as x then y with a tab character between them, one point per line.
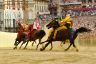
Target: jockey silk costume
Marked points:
62	25
27	29
24	28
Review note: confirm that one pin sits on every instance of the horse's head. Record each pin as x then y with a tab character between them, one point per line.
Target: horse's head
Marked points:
53	24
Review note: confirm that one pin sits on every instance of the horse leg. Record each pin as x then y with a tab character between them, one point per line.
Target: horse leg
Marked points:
51	46
18	42
75	35
45	46
33	42
21	45
26	44
38	44
75	47
15	44
68	47
71	42
61	44
44	42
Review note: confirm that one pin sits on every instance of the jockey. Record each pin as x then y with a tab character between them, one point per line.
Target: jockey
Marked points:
53	19
64	25
68	20
20	31
31	29
25	29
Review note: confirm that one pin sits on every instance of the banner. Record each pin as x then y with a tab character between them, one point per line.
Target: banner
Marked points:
81	9
38	23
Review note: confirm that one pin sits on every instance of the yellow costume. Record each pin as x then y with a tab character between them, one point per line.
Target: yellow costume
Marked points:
62	24
66	20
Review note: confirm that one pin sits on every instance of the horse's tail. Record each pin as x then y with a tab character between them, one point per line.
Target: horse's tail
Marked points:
41	33
81	30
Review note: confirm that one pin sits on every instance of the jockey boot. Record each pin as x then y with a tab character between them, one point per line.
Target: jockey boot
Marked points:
51	33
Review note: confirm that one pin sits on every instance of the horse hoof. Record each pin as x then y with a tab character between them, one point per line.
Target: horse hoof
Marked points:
50	49
15	48
66	49
77	50
41	49
24	48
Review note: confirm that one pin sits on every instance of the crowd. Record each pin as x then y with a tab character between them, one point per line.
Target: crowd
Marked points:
88	22
81	12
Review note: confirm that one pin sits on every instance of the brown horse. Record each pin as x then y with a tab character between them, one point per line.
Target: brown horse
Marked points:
63	35
21	37
33	35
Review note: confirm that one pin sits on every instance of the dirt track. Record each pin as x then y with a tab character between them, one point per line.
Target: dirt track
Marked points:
84	56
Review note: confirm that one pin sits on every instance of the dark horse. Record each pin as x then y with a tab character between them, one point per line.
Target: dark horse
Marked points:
34	35
20	36
63	35
37	34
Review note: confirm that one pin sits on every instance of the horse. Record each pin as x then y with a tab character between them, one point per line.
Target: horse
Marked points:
18	40
33	35
21	37
63	35
37	34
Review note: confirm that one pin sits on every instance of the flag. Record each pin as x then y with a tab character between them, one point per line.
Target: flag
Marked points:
38	23
34	25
